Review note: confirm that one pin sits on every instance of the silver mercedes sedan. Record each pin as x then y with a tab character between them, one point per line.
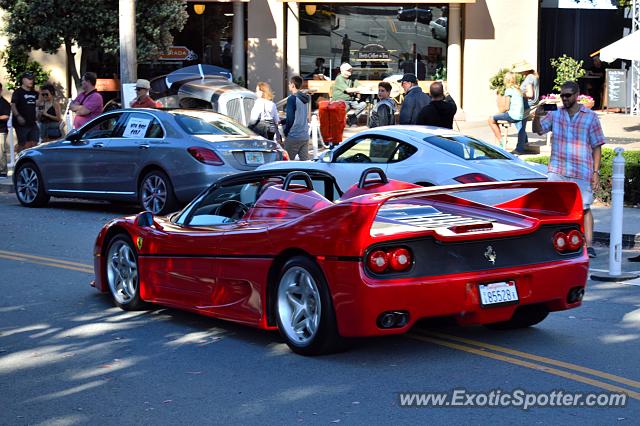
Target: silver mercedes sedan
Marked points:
158	159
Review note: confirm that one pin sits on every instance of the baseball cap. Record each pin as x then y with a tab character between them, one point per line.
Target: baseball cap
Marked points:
345	67
143	84
411	78
27	74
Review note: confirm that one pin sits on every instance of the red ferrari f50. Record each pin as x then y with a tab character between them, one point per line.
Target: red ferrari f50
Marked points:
288	250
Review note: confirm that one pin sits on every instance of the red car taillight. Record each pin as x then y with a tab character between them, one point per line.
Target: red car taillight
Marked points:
285	155
396	259
575	240
205	156
378	261
474	178
569	241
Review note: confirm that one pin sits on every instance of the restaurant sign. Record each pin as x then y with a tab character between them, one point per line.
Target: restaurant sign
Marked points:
373	52
179	53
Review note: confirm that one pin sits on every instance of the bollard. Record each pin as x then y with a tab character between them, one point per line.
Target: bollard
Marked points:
615	236
12	154
315	126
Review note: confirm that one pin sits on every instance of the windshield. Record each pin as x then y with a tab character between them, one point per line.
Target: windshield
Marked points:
203	123
466	148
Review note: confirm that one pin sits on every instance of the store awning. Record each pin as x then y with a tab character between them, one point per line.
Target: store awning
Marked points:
625	48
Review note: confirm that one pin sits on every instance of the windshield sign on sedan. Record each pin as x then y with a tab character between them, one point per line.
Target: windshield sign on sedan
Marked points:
466	148
210	124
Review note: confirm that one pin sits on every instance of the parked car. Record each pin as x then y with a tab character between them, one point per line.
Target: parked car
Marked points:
419	154
287	250
156	158
423	16
439	29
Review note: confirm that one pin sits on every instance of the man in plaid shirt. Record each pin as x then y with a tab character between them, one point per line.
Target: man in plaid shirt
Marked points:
575	148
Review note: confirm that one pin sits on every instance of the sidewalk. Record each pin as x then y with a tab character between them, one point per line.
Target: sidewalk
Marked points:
620	130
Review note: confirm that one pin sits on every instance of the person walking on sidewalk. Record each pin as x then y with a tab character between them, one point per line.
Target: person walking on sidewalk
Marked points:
296	128
5	111
23	107
576	149
414	99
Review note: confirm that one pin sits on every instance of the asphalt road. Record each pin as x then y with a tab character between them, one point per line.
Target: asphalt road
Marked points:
68	356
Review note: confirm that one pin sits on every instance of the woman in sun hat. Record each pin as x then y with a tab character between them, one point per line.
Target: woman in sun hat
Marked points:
530	89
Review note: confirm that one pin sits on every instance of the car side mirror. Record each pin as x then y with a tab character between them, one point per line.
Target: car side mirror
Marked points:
326	157
73	136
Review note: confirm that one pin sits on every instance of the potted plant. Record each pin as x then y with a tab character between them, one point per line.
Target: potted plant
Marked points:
586	100
567	69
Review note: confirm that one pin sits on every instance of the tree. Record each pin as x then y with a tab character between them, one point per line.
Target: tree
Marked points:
91	24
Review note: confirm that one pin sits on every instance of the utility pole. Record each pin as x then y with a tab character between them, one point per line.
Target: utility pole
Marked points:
128	57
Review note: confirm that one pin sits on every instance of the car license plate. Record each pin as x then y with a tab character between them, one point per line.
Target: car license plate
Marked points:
500	293
254	157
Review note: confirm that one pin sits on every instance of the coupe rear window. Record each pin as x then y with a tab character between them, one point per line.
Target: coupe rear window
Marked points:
209	124
466	148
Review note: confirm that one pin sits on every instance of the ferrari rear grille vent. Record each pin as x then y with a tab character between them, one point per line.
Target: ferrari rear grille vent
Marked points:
441	220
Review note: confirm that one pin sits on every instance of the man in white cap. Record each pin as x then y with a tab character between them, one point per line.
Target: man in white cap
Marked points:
143	100
344	88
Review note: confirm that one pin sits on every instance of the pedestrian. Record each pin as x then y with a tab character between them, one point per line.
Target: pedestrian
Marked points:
48	114
576	148
512	109
296	128
88	104
414	99
143	100
5	111
440	111
344	89
383	112
264	117
530	89
23	107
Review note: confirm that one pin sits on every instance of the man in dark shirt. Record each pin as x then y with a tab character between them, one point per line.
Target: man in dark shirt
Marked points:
23	107
5	110
440	111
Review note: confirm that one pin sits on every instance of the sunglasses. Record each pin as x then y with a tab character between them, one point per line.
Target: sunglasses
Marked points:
566	95
46	94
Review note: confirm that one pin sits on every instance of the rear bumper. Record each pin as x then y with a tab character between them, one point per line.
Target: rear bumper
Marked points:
359	300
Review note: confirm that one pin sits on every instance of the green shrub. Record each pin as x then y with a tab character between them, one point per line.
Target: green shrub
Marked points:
17	62
567	69
497	81
631	175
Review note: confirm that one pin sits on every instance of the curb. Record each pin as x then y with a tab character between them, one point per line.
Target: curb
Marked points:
629	241
6	186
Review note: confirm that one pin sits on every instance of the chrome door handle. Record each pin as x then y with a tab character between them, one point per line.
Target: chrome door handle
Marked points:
143	146
98	145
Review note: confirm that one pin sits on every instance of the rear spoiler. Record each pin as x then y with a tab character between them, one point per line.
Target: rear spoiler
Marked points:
546	200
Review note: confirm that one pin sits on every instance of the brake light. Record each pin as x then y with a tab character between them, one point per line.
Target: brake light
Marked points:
378	261
560	241
474	178
205	156
395	259
575	240
285	155
400	259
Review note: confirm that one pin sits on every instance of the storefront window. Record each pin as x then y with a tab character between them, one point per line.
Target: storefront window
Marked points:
378	41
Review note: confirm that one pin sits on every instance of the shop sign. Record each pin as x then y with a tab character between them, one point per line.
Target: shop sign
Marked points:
178	53
373	52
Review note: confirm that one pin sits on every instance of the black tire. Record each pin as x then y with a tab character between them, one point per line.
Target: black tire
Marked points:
29	186
122	273
156	193
524	317
325	339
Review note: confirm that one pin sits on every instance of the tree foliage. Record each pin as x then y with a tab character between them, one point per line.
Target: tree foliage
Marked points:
567	69
92	25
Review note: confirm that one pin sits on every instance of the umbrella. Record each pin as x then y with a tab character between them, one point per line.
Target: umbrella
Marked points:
625	48
195	72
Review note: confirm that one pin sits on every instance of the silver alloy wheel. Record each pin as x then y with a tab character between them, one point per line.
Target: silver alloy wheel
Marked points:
27	185
154	194
122	272
299	305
